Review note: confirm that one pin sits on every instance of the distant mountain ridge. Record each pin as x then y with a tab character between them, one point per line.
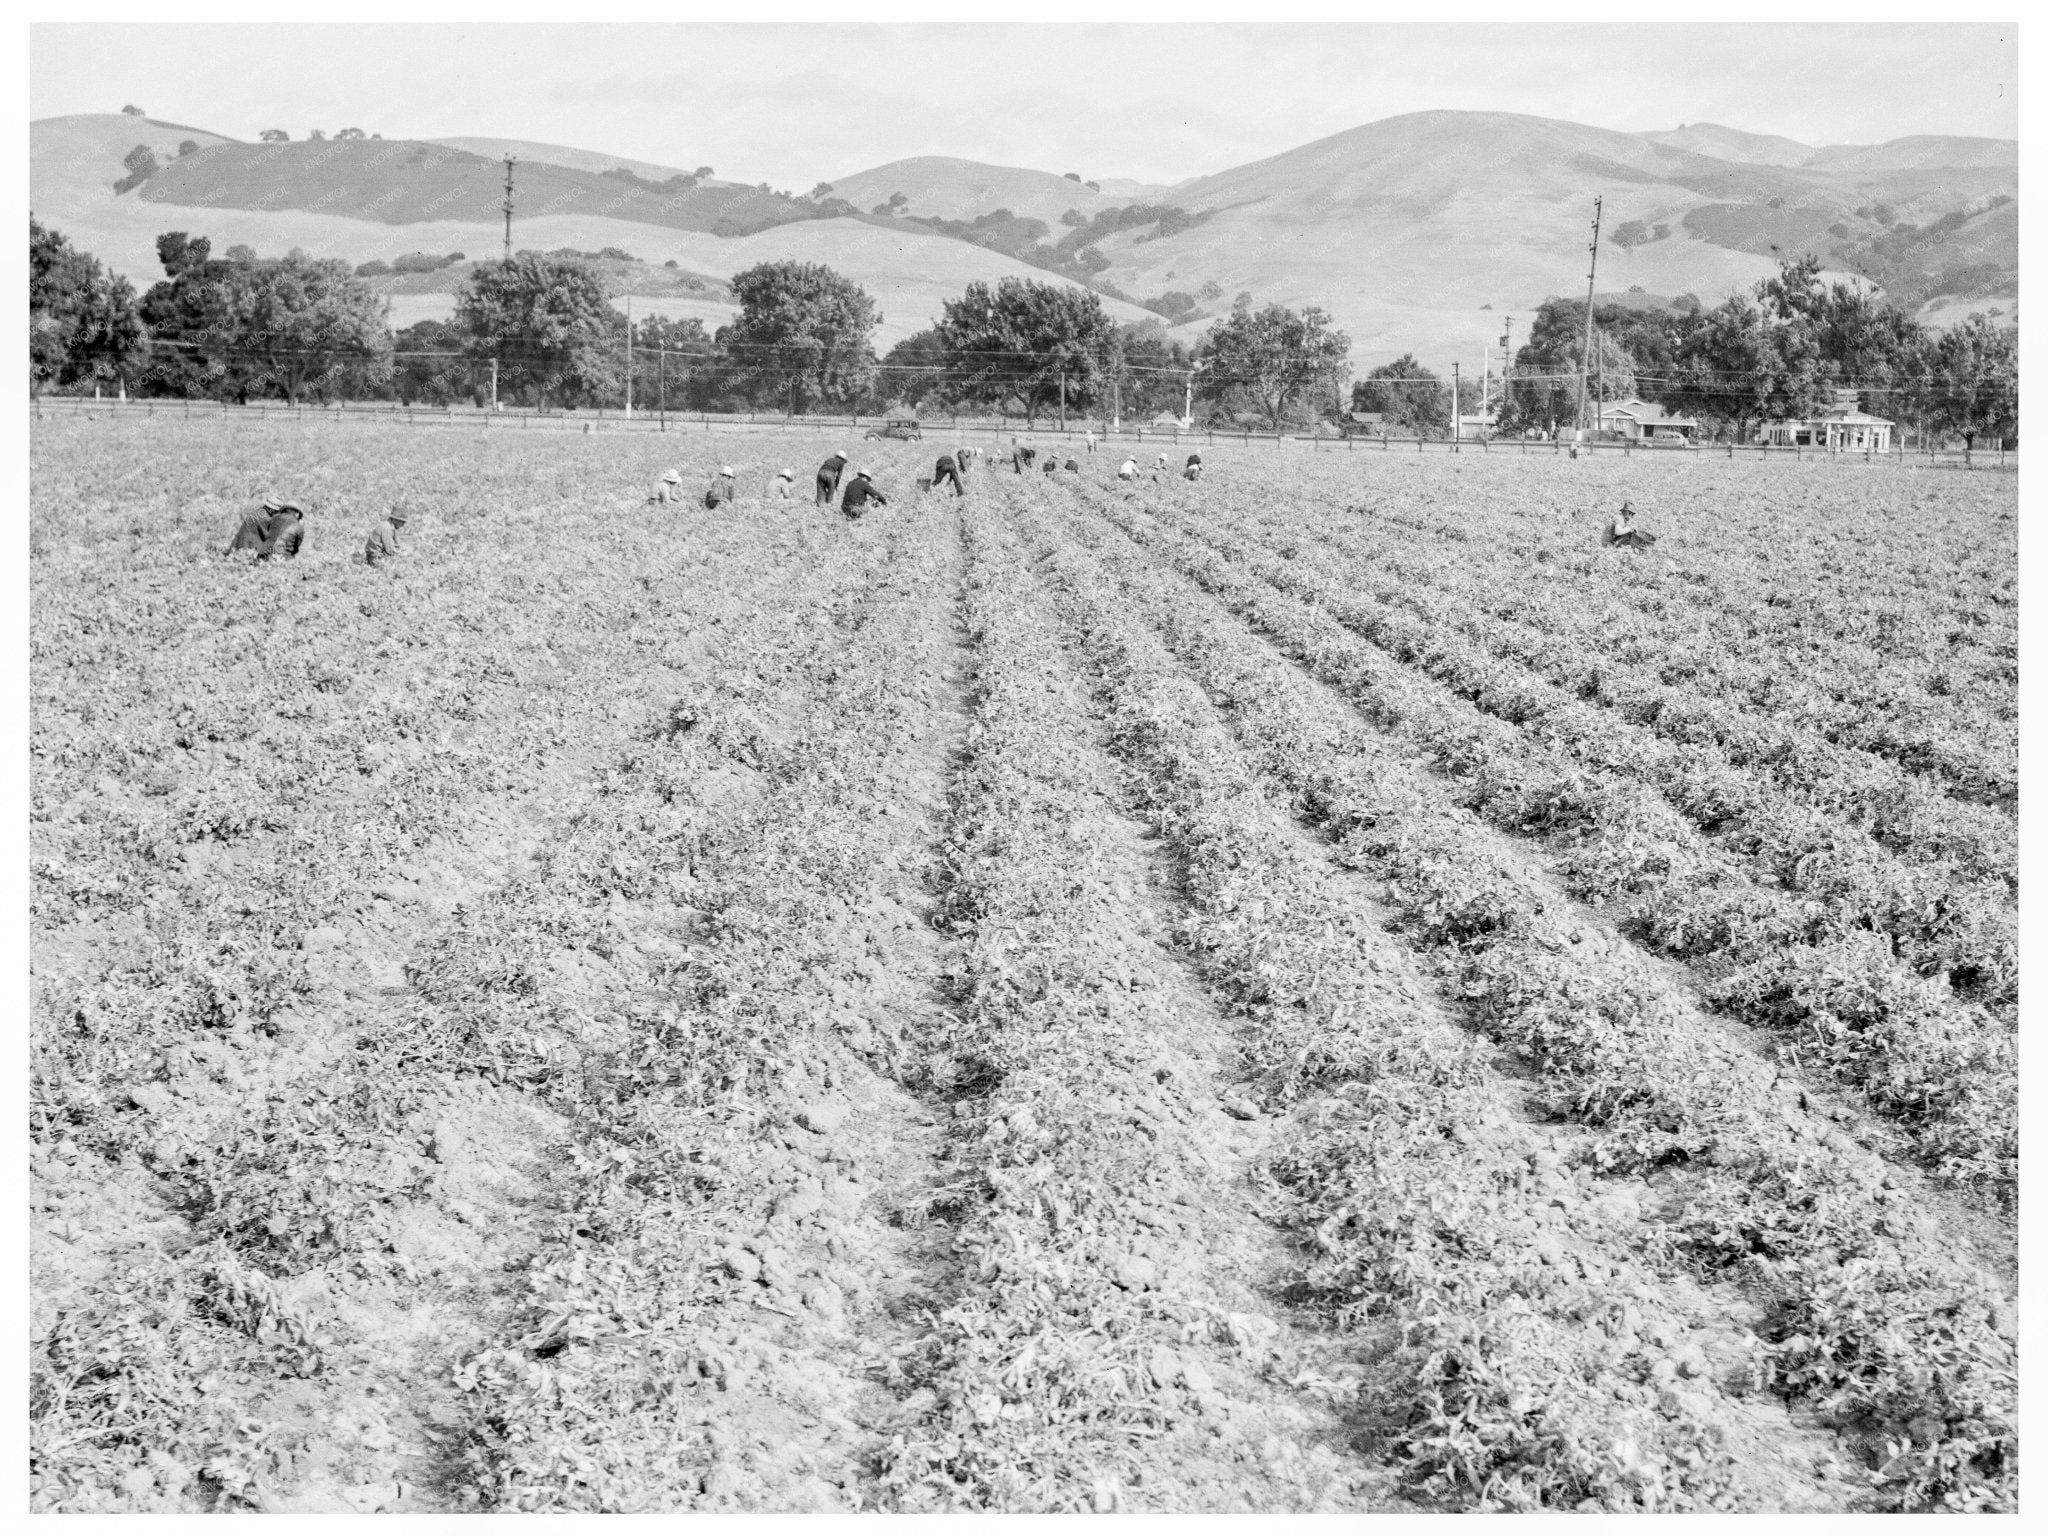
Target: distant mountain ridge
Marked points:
1420	232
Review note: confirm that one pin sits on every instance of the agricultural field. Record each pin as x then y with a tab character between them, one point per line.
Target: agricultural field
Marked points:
1321	989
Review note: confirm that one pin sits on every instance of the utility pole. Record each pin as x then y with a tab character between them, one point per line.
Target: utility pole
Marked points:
629	357
661	379
508	205
1506	361
1063	399
1456	425
1188	400
1586	357
494	384
1116	397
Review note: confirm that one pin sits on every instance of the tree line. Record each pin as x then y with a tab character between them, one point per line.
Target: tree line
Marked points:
543	330
1779	352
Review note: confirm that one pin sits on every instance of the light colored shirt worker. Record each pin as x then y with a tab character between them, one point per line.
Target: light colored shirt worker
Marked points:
668	488
784	486
382	544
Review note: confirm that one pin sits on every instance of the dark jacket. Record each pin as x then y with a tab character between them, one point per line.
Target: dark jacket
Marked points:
858	495
270	533
833	468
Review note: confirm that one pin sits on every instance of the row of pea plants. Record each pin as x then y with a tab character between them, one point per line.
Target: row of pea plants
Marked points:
1876	1324
1524	1376
1536	626
1964	932
1807	967
1068	1358
1718	679
317	775
1946	710
695	1183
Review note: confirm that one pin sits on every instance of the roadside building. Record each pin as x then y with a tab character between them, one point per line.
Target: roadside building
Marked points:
1645	421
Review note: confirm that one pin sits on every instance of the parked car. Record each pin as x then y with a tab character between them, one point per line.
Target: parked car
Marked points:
905	431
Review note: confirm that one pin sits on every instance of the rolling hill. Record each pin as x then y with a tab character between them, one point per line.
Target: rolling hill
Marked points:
941	187
1418	233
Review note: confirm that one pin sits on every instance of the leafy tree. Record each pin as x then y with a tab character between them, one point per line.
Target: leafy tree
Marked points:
674	363
917	372
82	320
1972	388
1153	369
1742	366
821	190
274	136
702	172
432	379
244	253
132	111
1279	362
316	135
178	251
1019	340
141	163
241	328
187	147
550	324
804	336
1542	387
1407	395
349	133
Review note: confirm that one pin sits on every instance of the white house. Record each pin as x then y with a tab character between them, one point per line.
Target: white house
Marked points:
1841	426
1644	420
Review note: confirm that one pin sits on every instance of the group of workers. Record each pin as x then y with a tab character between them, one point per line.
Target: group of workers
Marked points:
277	529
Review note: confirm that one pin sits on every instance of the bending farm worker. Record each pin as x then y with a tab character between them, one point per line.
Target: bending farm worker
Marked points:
1052	464
668	488
828	477
382	543
1623	530
1128	470
277	528
947	471
784	488
723	489
859	494
1194	469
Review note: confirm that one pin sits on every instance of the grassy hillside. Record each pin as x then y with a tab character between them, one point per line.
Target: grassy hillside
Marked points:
941	187
1723	143
406	181
1419	232
533	151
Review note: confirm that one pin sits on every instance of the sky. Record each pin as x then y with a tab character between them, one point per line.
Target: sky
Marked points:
794	104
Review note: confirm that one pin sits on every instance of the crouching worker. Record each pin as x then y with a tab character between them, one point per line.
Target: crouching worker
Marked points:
784	488
828	477
1194	468
1623	531
947	472
1128	470
723	489
668	488
858	496
382	543
276	529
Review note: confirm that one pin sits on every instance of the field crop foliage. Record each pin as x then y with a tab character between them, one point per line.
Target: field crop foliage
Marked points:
1321	989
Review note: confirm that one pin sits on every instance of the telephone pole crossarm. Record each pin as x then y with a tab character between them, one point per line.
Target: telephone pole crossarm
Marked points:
1586	356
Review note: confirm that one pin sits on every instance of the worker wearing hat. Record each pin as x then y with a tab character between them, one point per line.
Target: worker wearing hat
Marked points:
947	471
382	543
828	476
859	494
1128	470
1194	467
1623	530
668	488
275	528
783	488
723	489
